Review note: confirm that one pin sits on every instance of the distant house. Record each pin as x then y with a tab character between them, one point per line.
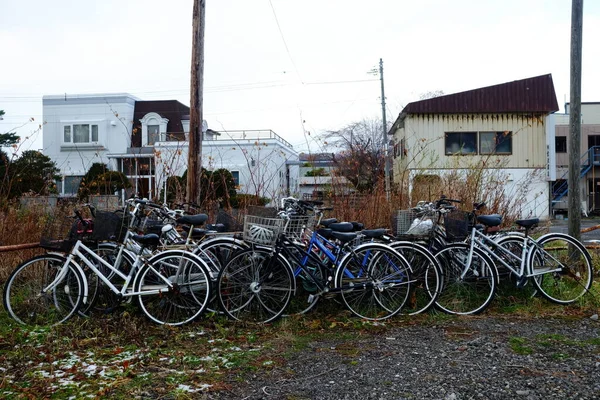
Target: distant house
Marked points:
318	176
148	142
589	172
511	123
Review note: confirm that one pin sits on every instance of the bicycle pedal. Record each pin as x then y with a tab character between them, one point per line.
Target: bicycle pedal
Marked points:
521	282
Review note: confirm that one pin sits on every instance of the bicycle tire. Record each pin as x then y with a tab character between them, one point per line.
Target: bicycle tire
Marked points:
374	281
557	250
470	294
254	286
23	298
426	276
179	302
221	250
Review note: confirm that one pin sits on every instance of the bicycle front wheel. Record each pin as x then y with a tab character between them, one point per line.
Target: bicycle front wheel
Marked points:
174	288
467	288
255	286
374	281
28	303
425	277
562	267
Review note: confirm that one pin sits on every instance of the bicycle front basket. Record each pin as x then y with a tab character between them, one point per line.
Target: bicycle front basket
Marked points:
61	232
107	226
261	230
296	224
456	224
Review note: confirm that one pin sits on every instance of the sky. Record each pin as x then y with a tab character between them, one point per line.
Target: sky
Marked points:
299	68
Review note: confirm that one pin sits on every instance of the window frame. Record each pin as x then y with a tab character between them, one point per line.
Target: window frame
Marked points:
563	146
504	134
69	135
236	177
477	143
461	143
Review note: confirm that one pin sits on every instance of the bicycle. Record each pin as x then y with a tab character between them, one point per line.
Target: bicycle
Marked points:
258	283
556	264
172	287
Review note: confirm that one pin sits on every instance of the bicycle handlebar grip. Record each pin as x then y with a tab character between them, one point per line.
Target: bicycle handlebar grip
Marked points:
80	217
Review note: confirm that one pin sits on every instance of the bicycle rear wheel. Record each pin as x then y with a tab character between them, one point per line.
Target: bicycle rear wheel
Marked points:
175	288
425	277
374	281
565	266
255	286
25	299
466	289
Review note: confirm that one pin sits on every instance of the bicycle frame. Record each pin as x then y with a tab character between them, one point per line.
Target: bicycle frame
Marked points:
528	245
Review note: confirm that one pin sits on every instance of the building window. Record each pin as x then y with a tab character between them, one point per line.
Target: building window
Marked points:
458	143
80	133
561	144
495	142
153	134
71	184
461	143
236	177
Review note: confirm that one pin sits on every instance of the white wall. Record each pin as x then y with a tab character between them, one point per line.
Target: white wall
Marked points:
113	113
261	165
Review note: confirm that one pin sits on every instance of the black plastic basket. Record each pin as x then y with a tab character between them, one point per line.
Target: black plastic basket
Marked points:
108	226
456	224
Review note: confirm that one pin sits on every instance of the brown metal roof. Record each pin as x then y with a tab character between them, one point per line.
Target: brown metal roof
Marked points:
531	95
172	110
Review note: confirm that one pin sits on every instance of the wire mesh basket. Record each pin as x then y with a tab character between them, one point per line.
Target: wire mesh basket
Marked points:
296	225
261	230
61	232
456	224
412	223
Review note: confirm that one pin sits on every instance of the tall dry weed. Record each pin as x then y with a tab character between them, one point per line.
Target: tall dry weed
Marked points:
19	226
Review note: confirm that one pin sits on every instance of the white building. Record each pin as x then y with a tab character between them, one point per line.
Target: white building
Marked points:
508	128
147	141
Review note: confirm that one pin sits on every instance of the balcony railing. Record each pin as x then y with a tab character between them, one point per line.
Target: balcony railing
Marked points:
250	135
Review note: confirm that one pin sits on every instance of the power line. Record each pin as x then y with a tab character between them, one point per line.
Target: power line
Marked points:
284	42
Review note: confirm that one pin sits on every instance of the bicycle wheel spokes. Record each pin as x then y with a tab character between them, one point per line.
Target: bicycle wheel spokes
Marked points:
425	276
466	289
565	266
177	289
374	282
255	287
27	303
307	291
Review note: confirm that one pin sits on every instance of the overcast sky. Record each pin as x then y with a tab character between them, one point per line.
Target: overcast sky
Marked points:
290	66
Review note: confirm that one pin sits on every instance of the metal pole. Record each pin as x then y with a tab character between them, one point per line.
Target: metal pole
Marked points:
384	131
196	90
575	120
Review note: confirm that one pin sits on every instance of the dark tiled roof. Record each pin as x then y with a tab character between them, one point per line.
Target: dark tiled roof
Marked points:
531	95
172	110
315	157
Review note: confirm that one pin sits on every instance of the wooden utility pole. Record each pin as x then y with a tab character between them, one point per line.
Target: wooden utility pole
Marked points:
575	120
386	165
194	170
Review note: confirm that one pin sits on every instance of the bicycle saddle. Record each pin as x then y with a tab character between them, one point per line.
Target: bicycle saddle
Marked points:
197	219
150	239
527	223
489	220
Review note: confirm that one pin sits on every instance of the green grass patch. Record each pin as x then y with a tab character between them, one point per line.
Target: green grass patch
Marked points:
519	345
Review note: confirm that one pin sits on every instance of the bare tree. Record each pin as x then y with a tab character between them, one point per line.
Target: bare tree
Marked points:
359	153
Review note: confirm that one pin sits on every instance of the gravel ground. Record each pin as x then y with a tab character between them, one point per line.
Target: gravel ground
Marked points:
487	357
